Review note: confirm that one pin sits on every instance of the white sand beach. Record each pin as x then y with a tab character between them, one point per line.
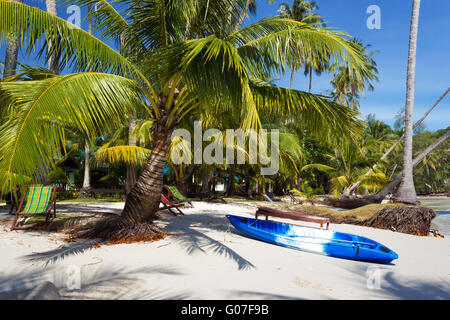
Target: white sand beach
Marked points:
209	259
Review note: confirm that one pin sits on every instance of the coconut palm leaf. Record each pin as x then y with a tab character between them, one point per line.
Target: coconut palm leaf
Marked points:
78	48
275	36
317	113
122	155
106	19
89	102
318	166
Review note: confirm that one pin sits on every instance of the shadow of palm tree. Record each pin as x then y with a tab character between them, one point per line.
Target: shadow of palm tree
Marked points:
405	289
262	295
107	282
416	289
192	237
193	240
63	251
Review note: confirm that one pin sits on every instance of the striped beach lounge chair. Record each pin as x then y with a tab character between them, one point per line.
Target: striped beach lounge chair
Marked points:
39	201
267	198
177	196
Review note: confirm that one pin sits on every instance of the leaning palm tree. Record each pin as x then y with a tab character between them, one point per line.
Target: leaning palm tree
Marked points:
186	56
407	192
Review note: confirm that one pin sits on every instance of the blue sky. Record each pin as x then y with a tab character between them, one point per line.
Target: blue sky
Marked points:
391	44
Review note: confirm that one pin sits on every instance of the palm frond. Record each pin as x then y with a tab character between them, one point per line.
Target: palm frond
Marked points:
130	155
32	136
77	48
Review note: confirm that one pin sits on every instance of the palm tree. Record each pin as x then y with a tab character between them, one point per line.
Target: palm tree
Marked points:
246	6
86	189
303	11
388	188
407	192
350	86
52	61
12	51
187	57
397	142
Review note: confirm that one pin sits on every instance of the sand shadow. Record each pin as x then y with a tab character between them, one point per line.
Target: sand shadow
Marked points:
106	282
404	289
63	251
193	240
188	237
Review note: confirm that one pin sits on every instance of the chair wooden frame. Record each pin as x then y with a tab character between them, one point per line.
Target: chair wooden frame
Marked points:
175	199
168	205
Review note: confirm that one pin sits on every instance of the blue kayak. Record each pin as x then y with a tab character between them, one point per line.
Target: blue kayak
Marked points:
334	244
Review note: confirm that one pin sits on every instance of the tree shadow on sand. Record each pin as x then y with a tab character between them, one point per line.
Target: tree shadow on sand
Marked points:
191	236
405	289
416	289
107	282
63	251
190	231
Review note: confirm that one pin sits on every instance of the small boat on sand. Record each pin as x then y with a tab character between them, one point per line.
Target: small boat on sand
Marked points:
334	244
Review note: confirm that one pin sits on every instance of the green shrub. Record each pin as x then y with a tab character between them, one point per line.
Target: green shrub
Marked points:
67	194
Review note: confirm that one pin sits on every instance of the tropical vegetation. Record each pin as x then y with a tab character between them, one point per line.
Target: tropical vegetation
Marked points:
103	115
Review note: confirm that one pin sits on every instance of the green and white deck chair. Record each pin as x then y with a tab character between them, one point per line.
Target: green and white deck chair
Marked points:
39	201
176	195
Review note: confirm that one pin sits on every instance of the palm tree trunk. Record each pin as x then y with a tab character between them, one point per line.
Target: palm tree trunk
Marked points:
407	192
352	96
205	182
184	182
52	63
242	15
292	78
12	51
11	55
144	198
310	79
383	193
231	187
356	184
86	190
130	179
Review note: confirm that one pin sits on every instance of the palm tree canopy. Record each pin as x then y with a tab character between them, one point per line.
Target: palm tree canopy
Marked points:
185	51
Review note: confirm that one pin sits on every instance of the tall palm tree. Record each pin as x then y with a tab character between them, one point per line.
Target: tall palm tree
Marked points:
86	189
407	192
11	54
187	57
52	61
303	11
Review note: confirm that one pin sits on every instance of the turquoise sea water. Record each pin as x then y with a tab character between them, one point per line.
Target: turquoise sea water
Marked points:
442	208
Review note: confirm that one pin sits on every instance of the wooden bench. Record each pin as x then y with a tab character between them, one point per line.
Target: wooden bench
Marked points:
266	211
